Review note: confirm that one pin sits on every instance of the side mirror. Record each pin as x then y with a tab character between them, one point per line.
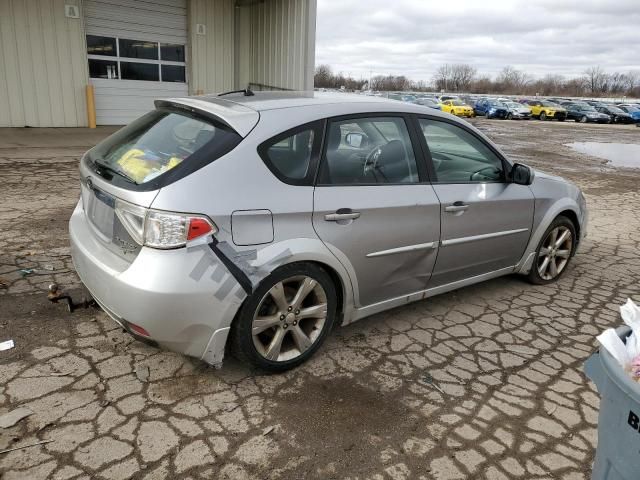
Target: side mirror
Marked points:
356	139
521	174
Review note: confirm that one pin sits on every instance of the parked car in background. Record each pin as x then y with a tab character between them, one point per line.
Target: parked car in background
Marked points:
402	97
175	242
517	111
546	110
428	102
443	98
633	110
583	112
457	107
617	115
491	108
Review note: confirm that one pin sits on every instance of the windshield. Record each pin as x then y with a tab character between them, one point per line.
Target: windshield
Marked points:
157	143
546	103
513	105
458	103
613	109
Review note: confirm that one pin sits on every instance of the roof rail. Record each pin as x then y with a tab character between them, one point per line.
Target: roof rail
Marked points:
245	91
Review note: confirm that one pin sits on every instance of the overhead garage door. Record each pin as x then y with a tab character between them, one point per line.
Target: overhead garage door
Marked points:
136	51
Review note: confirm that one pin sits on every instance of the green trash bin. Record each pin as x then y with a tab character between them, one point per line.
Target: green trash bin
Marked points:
618	453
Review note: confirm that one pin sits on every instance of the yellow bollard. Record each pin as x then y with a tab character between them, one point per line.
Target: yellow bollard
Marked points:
91	107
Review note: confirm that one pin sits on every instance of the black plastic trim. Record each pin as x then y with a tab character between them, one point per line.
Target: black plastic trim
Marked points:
234	270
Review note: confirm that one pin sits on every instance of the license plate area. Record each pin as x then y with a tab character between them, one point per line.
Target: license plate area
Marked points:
100	210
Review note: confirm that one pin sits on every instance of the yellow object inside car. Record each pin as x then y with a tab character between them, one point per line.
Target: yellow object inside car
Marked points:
137	165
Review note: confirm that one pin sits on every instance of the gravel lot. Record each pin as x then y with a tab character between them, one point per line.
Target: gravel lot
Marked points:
482	383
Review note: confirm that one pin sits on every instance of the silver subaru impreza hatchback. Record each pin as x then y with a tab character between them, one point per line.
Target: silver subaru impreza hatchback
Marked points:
254	223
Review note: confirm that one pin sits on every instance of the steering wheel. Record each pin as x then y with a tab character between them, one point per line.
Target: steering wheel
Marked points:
472	177
371	160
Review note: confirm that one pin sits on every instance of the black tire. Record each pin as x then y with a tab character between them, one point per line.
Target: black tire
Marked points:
583	119
509	116
562	119
543	115
534	275
241	338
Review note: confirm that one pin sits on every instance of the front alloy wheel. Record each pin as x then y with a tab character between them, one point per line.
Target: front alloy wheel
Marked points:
286	319
554	252
543	115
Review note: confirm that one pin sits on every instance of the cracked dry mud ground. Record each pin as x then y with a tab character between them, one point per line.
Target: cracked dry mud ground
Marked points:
506	355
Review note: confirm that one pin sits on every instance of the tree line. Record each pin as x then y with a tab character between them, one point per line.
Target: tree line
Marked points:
464	78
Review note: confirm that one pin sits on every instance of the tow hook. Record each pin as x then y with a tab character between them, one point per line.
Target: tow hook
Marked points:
55	295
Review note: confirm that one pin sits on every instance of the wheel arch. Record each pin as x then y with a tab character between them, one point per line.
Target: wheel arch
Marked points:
573	216
567	207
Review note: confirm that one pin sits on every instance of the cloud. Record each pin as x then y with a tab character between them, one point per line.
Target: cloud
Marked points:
414	37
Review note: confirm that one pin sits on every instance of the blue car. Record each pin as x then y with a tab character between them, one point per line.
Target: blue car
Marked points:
633	110
491	108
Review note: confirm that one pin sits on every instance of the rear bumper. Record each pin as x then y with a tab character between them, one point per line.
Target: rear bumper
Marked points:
183	297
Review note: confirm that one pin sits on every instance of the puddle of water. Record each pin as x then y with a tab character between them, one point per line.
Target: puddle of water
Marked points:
619	154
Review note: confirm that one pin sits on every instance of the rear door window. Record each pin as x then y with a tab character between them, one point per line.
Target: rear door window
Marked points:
154	145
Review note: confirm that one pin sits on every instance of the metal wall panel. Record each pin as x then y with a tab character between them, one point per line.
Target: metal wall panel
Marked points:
43	71
280	45
212	53
268	44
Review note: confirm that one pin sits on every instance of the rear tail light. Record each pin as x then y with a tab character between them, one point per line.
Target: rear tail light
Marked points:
160	229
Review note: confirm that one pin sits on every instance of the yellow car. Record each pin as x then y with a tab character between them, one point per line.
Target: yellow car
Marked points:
457	107
546	110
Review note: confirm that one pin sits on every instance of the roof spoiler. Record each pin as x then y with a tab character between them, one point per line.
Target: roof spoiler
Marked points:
239	118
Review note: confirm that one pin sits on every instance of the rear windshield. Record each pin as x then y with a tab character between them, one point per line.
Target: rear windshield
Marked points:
161	145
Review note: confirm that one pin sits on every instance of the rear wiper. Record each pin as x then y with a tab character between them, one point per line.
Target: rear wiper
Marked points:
107	168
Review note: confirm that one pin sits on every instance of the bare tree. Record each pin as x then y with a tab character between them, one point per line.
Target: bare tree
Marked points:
512	80
595	79
461	76
633	80
323	77
442	77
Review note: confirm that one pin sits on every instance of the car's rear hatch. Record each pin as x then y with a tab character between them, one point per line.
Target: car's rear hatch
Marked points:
122	175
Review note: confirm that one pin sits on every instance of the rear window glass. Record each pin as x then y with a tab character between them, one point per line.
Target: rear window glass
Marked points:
158	143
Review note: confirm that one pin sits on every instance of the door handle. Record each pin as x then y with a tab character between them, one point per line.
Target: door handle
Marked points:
342	214
456	207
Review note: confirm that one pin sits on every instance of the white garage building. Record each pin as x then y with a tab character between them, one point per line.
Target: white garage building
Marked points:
134	51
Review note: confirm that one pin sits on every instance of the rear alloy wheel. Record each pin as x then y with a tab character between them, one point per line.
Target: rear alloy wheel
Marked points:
509	116
286	319
583	119
543	115
554	252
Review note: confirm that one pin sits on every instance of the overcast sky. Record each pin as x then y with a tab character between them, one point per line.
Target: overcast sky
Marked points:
414	37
